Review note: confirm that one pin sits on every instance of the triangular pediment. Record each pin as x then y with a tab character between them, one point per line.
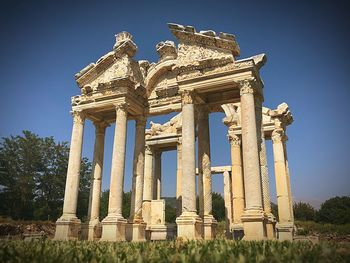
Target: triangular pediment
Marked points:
117	64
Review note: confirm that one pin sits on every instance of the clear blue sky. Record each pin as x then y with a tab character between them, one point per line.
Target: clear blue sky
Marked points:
43	44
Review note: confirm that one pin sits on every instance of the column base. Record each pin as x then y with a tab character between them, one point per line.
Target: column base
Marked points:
270	226
67	228
209	227
285	231
136	232
158	232
189	226
113	228
254	225
91	230
237	231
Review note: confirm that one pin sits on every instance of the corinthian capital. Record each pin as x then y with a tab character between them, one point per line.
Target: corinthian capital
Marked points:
100	127
149	150
122	106
78	117
187	96
278	135
247	86
234	139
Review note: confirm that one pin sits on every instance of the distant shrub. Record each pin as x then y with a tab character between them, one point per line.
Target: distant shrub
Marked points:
335	211
304	211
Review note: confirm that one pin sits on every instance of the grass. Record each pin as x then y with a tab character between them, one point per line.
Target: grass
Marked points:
173	251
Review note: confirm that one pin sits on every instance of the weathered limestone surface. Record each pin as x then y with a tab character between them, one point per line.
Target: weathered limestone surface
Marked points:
285	224
270	225
253	216
204	177
136	227
68	225
228	202
92	229
179	181
198	76
113	226
188	223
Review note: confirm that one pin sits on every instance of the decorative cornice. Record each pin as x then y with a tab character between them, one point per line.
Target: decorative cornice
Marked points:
208	38
166	50
124	45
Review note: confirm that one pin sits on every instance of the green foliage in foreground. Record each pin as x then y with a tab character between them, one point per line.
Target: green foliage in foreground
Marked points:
172	251
310	227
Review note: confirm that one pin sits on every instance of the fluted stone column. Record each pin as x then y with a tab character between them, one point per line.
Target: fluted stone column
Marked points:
136	227
253	217
157	188
285	224
228	202
148	185
189	223
270	225
204	175
288	178
113	226
238	202
68	225
92	229
179	181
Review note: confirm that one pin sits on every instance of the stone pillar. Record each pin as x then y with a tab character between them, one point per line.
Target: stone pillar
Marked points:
204	175
179	180
68	225
136	227
157	188
271	220
188	223
285	224
92	229
228	203
238	202
113	226
288	178
253	217
148	185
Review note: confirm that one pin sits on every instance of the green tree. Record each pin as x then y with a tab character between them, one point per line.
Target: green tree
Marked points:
33	175
22	162
274	210
304	211
104	204
170	213
218	207
335	211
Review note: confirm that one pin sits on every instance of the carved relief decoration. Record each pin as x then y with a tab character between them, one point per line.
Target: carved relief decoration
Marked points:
170	127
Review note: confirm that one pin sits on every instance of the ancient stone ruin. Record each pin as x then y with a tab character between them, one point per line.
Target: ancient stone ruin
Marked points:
198	76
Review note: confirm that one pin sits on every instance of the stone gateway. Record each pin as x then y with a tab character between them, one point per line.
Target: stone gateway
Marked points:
199	76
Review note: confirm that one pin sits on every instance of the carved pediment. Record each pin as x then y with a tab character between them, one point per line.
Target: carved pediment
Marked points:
203	49
117	64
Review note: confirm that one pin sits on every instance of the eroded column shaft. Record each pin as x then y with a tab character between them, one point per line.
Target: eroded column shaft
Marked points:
118	163
74	162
